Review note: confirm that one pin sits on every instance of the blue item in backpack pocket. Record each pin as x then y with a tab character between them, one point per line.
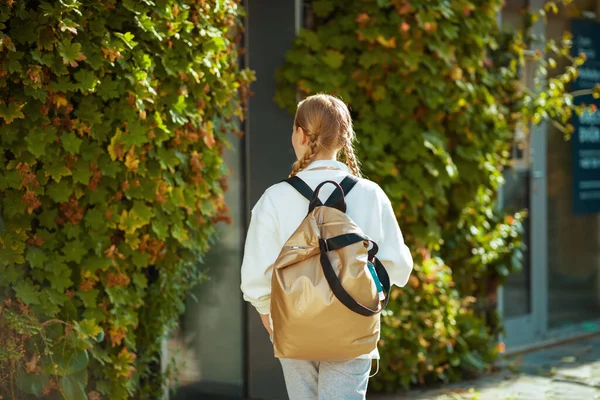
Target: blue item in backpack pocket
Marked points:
376	279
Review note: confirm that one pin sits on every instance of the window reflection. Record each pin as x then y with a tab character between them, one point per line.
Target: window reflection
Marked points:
517	290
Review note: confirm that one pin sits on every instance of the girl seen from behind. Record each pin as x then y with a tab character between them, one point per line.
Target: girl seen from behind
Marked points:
322	249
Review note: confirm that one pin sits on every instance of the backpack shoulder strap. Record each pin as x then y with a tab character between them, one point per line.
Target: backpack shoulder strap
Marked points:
347	184
302	187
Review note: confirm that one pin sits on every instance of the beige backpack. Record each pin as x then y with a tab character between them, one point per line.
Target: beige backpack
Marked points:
327	285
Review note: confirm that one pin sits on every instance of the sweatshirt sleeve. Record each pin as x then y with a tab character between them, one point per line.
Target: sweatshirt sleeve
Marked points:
393	253
260	253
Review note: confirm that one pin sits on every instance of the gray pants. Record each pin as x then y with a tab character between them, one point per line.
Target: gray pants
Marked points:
310	380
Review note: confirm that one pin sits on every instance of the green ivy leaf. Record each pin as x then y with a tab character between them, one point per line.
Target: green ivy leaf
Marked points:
60	277
63	84
384	109
109	89
36	143
88	327
140	260
11	112
368	59
54	300
14	62
136	135
36	257
89	113
97	314
48	218
11	179
59	191
27	293
74	251
137	217
70	52
127	38
82	172
333	59
11	273
57	170
13	204
311	39
168	158
180	233
323	8
72	231
160	226
109	168
71	143
94	220
89	298
95	263
87	80
118	295
140	280
98	196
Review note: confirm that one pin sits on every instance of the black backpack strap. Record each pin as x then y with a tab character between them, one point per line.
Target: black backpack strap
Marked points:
336	198
347	184
302	188
342	295
347	239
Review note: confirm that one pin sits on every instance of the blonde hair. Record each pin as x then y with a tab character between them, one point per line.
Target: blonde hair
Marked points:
327	122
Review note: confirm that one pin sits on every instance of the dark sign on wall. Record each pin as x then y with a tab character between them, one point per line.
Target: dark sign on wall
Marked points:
586	137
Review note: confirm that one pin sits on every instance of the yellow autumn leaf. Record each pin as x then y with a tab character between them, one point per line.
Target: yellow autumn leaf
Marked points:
209	137
87	274
133	241
131	161
389	43
59	100
114	148
123	219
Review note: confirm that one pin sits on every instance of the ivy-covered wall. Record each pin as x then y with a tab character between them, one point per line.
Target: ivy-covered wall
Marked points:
435	93
114	116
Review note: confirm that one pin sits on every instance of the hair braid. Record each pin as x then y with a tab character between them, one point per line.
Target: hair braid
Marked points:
351	159
310	153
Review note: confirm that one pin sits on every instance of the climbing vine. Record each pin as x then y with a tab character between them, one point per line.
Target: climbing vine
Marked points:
114	117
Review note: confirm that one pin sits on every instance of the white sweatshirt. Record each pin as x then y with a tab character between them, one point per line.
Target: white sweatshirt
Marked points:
281	209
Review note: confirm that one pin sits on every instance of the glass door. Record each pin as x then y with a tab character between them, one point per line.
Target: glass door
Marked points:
573	246
574	197
522	298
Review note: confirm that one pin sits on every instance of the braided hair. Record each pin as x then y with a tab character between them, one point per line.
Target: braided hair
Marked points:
327	122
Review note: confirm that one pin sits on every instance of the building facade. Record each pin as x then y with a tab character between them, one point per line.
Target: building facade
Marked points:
224	350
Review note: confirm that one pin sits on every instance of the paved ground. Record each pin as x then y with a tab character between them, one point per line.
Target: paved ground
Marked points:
567	372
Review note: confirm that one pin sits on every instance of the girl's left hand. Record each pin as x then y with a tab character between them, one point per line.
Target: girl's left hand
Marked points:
266	323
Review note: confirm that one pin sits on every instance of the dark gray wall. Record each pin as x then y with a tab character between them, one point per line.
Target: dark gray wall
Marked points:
270	32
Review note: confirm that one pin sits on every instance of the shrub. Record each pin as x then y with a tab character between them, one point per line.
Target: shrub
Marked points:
115	114
435	94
